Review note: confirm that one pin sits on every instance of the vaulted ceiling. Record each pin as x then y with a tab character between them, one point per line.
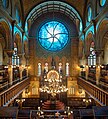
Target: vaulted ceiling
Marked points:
28	5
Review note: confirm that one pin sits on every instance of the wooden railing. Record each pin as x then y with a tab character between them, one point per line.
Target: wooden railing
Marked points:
7	96
98	94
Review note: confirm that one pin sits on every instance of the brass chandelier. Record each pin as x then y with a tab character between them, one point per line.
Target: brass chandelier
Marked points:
53	84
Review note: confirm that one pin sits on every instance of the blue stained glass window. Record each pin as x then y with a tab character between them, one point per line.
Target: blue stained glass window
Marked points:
80	26
26	27
5	3
89	14
17	15
53	36
102	2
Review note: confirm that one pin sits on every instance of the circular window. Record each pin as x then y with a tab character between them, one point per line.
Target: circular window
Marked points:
5	3
89	14
53	36
102	2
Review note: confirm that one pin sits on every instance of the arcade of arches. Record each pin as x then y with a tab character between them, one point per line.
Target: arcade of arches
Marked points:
39	37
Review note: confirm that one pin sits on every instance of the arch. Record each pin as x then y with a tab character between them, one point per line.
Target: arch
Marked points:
6	31
2	39
18	42
53	6
102	34
53	74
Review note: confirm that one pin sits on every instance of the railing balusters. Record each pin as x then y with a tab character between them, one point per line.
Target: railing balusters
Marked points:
8	95
99	94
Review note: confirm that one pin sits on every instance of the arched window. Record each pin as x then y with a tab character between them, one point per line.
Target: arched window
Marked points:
89	14
60	68
46	68
53	36
15	58
102	2
5	3
18	17
92	56
39	69
67	69
80	26
26	27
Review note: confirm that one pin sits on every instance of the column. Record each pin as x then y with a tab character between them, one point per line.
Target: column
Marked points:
87	71
98	62
20	70
10	67
97	74
10	53
74	56
27	65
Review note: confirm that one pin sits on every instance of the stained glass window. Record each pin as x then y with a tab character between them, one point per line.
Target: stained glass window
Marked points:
39	69
15	58
5	3
92	56
17	15
18	18
102	2
80	26
53	36
89	13
26	27
67	69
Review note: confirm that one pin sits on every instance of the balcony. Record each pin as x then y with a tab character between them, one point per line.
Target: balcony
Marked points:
98	94
10	93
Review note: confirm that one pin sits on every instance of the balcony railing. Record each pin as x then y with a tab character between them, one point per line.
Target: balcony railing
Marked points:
98	94
13	90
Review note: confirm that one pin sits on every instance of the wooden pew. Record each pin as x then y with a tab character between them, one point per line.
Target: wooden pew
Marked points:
9	112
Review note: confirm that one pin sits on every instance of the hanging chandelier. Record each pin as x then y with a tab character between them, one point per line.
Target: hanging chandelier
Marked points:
53	84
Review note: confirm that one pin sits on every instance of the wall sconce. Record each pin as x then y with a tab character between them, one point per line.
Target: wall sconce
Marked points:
87	101
80	90
82	67
6	67
93	66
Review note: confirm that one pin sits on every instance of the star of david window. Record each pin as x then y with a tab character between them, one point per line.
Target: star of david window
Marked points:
53	36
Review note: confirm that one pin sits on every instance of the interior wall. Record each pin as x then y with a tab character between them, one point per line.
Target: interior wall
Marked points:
106	53
39	54
1	55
